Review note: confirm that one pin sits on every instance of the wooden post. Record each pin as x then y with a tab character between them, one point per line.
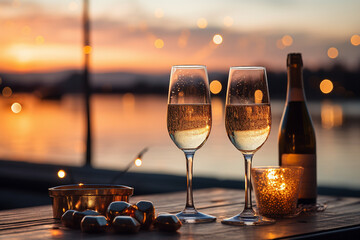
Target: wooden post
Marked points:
86	84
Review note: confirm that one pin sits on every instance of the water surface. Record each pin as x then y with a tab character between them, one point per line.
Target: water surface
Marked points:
53	132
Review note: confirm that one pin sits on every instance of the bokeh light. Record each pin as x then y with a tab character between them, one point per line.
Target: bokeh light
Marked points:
333	52
202	23
215	87
228	21
87	49
287	40
326	86
159	43
6	92
355	40
61	173
138	162
16	107
217	39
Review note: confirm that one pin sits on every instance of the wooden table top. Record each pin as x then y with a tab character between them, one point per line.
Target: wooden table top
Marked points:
340	219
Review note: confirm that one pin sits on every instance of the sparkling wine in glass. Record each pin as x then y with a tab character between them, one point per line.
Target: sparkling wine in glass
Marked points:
247	123
189	124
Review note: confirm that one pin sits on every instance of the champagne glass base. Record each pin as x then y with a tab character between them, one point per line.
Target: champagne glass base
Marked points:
195	217
240	220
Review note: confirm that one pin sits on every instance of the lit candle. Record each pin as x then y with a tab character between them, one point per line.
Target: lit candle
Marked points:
277	190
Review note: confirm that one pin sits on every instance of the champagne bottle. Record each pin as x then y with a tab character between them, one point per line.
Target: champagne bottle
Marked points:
297	143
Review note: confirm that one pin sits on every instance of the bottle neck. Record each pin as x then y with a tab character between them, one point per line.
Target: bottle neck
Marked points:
295	88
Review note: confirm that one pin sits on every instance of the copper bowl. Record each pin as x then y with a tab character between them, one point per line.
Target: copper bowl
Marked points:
87	196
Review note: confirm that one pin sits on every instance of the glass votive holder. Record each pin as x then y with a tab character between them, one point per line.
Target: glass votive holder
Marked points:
277	190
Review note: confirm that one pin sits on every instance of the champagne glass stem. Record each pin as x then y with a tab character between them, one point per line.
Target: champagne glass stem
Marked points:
189	176
248	161
190	214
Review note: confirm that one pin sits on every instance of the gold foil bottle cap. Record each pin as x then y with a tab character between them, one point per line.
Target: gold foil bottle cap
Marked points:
294	59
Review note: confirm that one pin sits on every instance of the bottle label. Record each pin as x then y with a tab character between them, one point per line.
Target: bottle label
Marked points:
308	181
296	95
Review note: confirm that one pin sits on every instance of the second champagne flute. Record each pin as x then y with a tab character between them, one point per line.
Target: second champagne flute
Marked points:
189	124
247	122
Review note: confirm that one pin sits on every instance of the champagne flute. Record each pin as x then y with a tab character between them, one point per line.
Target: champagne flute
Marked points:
189	124
247	122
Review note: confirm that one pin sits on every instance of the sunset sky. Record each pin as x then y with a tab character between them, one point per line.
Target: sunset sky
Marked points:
150	36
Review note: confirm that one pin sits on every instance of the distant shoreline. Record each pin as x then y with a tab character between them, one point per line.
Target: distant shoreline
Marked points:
53	85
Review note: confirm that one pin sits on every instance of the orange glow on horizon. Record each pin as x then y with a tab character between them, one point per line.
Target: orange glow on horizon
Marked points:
39	58
37	40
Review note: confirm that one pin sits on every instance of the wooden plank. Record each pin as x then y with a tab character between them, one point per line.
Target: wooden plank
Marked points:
342	214
13	216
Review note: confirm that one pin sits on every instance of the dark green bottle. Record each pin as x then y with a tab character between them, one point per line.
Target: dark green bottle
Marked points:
297	143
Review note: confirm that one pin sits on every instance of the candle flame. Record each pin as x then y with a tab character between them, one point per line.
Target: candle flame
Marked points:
272	174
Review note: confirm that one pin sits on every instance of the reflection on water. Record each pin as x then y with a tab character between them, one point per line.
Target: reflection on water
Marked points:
217	108
41	131
331	115
128	101
53	132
